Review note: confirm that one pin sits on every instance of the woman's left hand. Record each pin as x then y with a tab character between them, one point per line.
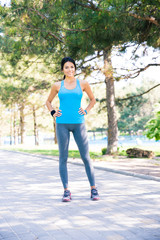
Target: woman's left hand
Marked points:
81	111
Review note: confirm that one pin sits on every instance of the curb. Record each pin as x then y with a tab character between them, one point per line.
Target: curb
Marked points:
70	160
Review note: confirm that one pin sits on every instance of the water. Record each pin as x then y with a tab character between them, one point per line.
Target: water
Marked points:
124	141
96	143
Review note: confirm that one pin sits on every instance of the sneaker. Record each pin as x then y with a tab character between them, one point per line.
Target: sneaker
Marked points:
94	194
66	196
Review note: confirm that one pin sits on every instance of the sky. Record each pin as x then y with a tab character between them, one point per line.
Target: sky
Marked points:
147	55
125	61
7	2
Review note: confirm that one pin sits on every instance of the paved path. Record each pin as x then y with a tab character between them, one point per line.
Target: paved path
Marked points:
31	207
140	167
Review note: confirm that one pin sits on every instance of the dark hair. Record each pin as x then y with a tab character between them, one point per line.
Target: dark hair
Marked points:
67	59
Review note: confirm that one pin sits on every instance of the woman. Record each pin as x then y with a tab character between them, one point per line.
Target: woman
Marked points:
70	118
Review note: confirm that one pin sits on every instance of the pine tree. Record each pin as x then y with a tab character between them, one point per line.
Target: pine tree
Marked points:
82	29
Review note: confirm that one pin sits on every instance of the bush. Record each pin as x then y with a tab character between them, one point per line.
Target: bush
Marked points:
104	150
153	127
122	153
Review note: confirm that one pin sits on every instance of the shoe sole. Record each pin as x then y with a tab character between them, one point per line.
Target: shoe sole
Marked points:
95	199
67	200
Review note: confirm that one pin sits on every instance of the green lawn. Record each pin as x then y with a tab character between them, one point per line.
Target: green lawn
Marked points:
53	151
48	151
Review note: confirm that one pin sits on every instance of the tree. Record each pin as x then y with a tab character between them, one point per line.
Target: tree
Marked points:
17	92
106	22
4	122
16	86
130	119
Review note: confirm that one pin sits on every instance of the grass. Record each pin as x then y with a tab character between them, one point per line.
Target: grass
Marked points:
48	151
53	151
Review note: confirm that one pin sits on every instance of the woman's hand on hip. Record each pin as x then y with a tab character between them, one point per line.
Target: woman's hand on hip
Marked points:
58	113
82	111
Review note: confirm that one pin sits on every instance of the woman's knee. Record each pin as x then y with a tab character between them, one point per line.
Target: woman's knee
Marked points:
87	161
63	161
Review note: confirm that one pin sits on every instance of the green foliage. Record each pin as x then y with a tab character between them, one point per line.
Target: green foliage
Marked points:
78	28
15	92
153	127
54	29
104	150
130	119
144	28
122	153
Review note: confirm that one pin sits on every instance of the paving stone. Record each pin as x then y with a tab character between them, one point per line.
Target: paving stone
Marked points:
7	233
28	236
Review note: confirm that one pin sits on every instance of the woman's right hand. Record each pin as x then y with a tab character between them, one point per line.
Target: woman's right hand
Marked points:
58	113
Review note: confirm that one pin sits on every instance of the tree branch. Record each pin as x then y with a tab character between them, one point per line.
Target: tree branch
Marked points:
66	29
150	19
40	30
97	82
94	8
138	95
53	35
135	74
91	6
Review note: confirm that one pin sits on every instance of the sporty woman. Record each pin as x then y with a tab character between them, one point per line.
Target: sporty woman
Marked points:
70	118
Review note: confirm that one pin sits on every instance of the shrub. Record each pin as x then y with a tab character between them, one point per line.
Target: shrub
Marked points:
153	127
104	150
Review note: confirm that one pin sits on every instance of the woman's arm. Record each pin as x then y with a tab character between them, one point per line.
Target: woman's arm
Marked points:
51	96
53	93
86	88
89	92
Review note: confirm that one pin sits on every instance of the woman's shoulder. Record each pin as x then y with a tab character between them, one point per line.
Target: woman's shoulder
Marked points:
83	84
56	86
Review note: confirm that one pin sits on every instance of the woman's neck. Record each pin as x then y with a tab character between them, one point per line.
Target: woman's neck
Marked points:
69	80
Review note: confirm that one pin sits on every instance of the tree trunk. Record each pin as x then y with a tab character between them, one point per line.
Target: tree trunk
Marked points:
14	127
22	123
110	101
11	127
35	126
55	135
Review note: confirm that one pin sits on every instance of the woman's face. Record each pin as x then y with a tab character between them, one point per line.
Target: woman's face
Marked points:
69	69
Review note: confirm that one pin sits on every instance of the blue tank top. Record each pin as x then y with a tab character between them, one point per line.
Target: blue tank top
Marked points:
70	102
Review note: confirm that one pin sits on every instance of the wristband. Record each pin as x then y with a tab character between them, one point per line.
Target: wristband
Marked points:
85	111
53	112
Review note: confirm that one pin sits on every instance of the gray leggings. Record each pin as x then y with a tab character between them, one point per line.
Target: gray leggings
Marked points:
80	136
